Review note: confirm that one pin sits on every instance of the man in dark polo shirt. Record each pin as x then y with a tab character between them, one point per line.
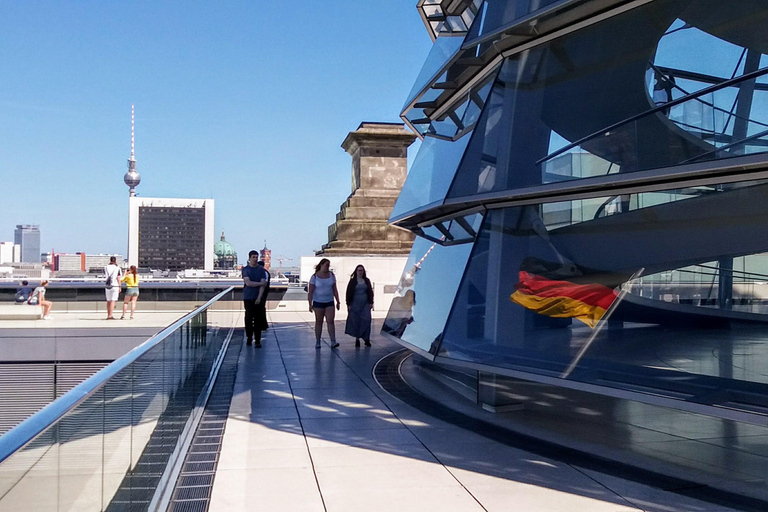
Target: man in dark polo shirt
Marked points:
254	281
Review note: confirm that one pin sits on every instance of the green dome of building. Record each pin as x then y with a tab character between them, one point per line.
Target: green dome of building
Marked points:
225	255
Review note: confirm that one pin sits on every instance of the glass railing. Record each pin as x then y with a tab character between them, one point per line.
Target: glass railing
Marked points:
106	444
689	129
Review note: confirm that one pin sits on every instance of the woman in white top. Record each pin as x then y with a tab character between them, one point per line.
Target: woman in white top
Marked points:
38	297
322	293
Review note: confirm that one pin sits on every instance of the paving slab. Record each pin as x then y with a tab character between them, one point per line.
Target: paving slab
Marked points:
311	429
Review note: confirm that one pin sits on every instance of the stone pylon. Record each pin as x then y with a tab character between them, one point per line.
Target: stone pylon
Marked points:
379	167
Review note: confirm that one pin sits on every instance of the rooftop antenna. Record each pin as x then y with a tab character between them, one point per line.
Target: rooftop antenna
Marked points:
132	132
132	178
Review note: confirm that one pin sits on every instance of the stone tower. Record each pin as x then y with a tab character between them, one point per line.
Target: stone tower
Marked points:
379	167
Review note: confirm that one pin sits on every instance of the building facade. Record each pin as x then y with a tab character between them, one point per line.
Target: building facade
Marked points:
225	257
9	252
171	234
265	255
27	236
81	263
589	199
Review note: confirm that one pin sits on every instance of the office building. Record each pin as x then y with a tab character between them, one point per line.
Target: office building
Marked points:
27	236
170	234
589	201
81	262
9	252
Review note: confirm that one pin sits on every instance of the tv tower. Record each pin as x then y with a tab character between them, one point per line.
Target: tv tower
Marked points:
132	178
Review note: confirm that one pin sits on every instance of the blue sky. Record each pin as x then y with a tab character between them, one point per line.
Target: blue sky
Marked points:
246	102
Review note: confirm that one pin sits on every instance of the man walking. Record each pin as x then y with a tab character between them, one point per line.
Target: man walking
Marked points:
254	281
262	301
112	286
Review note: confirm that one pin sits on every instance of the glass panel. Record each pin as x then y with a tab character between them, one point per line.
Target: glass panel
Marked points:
501	13
593	102
442	50
117	432
425	293
431	174
81	438
459	118
30	469
589	289
458	228
110	450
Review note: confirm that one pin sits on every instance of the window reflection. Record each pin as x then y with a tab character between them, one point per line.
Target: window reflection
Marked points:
589	289
624	95
425	293
442	50
431	174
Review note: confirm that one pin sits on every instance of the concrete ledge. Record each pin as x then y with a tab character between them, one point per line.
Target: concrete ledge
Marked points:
20	312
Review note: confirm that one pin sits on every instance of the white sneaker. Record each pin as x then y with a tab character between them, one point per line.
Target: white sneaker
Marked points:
47	317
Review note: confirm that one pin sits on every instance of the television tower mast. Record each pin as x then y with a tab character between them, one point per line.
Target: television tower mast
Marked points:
132	178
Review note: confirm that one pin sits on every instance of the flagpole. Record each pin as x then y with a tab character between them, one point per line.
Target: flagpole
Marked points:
603	321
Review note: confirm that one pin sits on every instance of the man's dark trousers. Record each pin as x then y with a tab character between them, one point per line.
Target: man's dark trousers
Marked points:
252	324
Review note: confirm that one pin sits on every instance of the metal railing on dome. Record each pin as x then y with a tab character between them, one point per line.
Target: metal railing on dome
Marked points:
118	430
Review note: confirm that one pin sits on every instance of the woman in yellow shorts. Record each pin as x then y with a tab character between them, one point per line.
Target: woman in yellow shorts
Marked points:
131	280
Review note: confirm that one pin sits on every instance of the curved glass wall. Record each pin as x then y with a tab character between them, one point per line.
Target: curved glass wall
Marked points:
631	92
498	14
431	174
425	293
442	51
621	175
667	290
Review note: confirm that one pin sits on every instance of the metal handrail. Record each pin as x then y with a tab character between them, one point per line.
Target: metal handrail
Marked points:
26	431
663	106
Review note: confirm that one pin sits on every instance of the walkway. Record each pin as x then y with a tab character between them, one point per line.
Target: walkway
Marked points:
312	430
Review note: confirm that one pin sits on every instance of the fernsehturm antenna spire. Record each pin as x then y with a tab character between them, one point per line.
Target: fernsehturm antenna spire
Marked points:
132	178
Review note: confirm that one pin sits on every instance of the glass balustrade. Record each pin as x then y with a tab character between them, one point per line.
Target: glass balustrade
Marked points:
105	444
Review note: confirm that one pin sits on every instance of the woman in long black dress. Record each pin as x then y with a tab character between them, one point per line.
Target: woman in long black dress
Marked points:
359	306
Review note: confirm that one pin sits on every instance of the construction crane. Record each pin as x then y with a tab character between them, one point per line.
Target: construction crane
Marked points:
280	260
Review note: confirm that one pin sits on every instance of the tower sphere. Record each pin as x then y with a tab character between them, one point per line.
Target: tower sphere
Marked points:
132	178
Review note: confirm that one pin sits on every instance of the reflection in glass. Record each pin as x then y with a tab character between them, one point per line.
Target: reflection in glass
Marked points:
543	289
627	94
431	174
457	119
442	50
554	289
501	13
425	293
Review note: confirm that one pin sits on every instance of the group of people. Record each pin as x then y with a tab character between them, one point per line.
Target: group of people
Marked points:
114	278
26	295
322	293
255	290
323	298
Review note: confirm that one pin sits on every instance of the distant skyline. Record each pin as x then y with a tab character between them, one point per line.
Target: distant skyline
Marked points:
243	102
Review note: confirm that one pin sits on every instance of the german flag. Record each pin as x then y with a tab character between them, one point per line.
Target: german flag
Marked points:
563	299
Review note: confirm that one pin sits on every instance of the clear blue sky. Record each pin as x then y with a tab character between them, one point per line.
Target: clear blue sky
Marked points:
246	102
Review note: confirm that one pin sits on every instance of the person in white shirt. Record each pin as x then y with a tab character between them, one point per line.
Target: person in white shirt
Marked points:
113	275
322	294
38	297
